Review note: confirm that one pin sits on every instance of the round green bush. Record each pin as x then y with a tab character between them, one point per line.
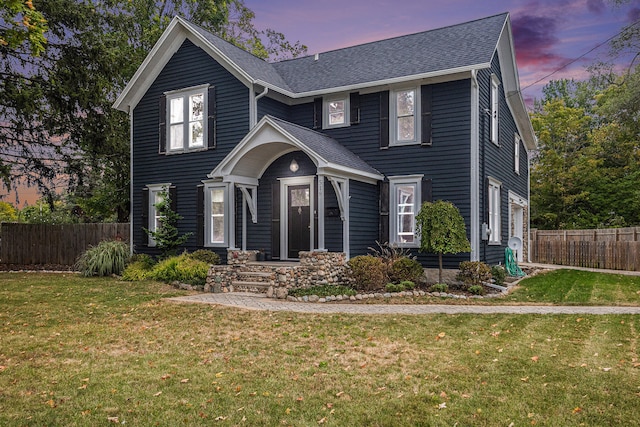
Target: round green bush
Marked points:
367	272
136	271
474	273
405	269
205	255
499	274
182	269
143	259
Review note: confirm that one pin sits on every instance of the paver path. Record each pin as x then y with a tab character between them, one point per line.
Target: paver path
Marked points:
260	302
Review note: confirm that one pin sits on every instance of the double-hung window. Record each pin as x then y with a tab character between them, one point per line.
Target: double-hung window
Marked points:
186	119
216	214
405	195
495	103
404	114
336	112
156	194
494	211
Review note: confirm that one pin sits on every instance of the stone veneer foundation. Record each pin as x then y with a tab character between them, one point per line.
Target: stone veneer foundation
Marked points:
275	278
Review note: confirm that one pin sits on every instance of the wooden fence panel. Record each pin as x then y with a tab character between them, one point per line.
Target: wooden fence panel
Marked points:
38	244
608	254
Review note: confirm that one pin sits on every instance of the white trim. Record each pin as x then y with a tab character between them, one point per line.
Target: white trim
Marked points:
494	107
225	187
131	190
521	202
474	168
393	116
151	209
285	183
185	94
325	111
495	185
516	154
395	181
321	229
341	188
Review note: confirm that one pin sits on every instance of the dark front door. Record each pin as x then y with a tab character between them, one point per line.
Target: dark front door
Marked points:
299	219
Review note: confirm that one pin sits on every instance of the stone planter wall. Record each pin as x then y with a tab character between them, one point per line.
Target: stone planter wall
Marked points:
275	279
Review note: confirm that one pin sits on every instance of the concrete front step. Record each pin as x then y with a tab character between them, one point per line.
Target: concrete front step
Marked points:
256	287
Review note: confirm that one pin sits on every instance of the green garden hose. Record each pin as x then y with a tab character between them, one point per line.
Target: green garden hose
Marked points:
511	265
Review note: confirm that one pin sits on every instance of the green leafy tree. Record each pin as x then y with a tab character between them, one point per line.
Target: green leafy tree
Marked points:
442	230
22	27
7	212
167	236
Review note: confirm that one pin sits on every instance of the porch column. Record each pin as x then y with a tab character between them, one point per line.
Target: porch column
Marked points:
232	216
321	213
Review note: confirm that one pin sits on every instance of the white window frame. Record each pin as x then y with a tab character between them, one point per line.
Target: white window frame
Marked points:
153	215
495	211
495	108
395	183
186	95
208	214
326	114
516	155
394	117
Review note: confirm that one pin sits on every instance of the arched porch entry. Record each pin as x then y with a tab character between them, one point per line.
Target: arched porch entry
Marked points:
293	166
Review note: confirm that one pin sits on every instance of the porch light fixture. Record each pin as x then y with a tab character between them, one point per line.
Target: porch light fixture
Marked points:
293	167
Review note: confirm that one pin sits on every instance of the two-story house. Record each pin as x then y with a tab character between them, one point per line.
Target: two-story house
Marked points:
333	151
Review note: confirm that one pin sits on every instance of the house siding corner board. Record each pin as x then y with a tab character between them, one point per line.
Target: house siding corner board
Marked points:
189	66
497	162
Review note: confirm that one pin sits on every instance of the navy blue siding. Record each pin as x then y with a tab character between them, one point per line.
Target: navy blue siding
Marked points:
363	219
497	161
188	67
274	108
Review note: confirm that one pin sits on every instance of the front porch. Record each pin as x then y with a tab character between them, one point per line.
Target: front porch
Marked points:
274	278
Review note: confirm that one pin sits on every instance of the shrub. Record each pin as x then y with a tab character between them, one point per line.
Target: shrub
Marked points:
405	269
476	290
104	259
408	285
138	270
323	291
474	273
439	287
367	272
143	259
182	269
499	274
205	255
394	287
389	254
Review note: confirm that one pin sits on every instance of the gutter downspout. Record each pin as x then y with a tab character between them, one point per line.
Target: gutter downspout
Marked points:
474	166
254	105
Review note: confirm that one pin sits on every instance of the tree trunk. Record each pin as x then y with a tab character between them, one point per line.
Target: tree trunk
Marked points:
440	269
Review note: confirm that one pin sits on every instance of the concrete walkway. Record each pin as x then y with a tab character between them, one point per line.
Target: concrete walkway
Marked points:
261	302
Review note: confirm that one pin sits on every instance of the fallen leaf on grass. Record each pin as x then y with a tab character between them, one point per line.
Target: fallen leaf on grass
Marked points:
606	369
157	394
113	420
577	410
535	358
220	418
322	420
443	405
184	381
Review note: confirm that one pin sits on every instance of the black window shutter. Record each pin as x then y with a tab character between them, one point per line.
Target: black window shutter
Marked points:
200	216
427	192
384	119
144	218
383	189
162	124
354	108
317	113
173	196
211	119
426	106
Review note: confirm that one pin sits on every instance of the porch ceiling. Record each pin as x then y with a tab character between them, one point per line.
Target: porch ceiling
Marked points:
272	138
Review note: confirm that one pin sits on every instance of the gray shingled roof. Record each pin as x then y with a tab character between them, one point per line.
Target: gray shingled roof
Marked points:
446	48
326	147
457	46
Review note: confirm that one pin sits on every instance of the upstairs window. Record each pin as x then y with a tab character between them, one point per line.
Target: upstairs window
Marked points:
495	103
187	120
405	112
336	112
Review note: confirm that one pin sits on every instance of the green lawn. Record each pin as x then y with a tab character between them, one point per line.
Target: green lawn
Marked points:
88	352
575	287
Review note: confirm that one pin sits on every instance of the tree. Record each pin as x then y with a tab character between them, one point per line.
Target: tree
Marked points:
21	24
55	110
7	212
442	230
167	236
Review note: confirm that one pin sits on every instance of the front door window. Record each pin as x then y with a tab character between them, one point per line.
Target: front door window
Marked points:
299	219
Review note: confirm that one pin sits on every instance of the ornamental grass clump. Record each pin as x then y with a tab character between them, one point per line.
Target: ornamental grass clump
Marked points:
107	258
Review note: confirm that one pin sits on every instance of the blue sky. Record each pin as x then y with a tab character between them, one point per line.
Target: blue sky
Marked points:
548	33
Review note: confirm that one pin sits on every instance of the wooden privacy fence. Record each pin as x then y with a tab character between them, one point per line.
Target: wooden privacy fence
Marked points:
38	244
614	248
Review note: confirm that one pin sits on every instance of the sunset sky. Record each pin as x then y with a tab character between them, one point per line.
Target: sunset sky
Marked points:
548	33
